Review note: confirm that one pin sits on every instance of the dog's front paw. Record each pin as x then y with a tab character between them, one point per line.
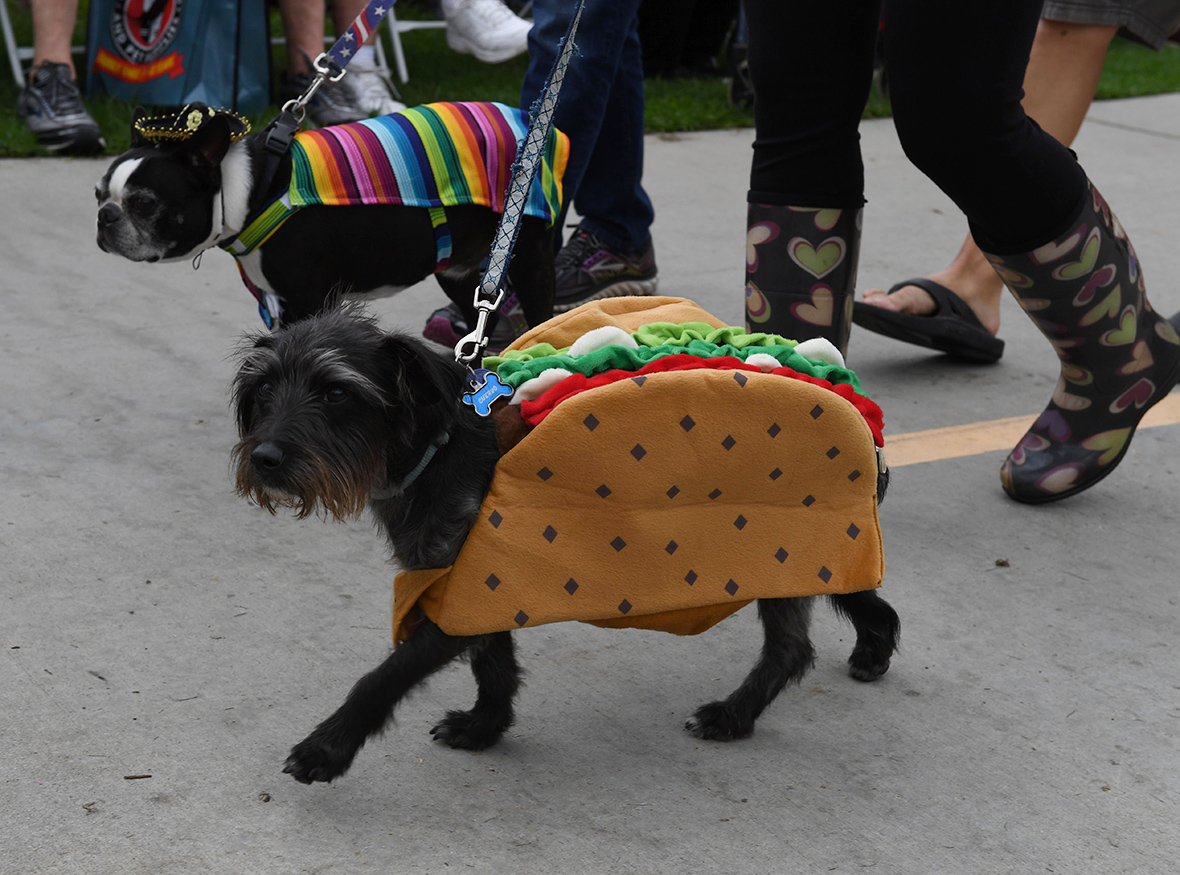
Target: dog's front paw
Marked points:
315	759
718	722
467	730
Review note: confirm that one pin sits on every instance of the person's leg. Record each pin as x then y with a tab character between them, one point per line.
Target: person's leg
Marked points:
344	13
53	31
592	76
50	101
610	197
811	68
1062	75
601	110
966	129
1059	84
303	26
1047	231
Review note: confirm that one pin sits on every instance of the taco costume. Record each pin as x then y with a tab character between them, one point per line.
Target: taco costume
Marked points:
668	480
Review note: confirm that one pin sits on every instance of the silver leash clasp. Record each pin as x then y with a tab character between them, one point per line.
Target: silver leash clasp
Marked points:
326	70
468	349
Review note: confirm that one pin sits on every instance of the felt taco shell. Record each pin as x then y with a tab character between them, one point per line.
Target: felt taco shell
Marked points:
663	502
627	313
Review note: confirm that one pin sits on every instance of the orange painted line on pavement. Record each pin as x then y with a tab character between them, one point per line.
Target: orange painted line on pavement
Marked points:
956	441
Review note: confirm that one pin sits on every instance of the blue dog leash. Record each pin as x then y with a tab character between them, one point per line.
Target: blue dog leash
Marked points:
484	387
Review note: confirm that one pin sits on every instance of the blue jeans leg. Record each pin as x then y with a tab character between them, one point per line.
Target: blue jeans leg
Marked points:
601	110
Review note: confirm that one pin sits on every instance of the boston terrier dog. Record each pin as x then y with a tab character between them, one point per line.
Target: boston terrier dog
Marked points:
195	180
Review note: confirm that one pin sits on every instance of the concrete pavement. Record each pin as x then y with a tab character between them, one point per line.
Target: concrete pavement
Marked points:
151	623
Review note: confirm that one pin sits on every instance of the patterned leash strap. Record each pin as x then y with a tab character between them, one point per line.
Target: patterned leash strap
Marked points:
490	292
329	66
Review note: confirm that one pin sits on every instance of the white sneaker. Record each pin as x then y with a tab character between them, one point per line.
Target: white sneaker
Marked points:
373	89
487	29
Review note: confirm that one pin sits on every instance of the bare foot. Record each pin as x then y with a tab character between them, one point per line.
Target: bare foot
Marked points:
969	276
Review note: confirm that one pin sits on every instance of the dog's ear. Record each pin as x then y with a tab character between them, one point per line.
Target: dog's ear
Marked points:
252	357
208	145
137	138
420	375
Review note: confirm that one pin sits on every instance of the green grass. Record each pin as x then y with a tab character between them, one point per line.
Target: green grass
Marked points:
436	73
1132	70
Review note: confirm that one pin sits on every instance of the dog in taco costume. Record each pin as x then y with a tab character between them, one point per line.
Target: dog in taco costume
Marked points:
664	471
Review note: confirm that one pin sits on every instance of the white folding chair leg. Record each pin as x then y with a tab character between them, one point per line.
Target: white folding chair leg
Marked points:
399	54
15	52
396	29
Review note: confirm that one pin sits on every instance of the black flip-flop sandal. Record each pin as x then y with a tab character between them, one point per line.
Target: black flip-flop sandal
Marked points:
953	328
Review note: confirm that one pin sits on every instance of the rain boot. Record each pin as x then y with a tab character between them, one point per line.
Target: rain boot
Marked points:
801	271
1085	292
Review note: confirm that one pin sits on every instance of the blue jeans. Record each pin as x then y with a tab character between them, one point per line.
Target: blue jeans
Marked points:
601	110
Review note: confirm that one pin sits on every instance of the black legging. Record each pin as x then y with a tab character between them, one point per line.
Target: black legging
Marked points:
956	73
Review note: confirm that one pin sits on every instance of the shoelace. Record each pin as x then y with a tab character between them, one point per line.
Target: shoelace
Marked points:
574	253
335	94
57	90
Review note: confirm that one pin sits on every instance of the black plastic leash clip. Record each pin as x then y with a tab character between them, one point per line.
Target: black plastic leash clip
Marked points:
280	132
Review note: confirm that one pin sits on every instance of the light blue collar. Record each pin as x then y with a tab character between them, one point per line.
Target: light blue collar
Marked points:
397	489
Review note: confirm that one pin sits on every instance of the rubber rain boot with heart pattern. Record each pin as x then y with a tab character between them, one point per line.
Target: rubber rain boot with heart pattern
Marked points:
1086	294
801	271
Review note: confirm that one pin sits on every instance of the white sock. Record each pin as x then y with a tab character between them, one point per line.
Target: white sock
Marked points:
448	7
365	56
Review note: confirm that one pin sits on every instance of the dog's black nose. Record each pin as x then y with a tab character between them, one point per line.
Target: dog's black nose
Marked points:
108	214
267	456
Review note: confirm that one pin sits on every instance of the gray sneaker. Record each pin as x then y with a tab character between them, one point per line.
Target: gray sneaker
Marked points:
587	269
334	103
374	89
52	107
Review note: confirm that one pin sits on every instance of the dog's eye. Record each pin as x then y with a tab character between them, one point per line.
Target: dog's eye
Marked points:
335	395
139	203
264	390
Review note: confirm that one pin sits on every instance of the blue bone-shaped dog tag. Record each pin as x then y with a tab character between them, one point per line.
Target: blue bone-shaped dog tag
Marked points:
485	389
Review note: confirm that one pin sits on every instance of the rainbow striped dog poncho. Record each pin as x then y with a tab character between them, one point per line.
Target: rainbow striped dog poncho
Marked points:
435	156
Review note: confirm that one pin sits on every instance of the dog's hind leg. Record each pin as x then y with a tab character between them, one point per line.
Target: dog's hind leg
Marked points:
787	655
327	753
497	674
460	288
878	631
531	270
